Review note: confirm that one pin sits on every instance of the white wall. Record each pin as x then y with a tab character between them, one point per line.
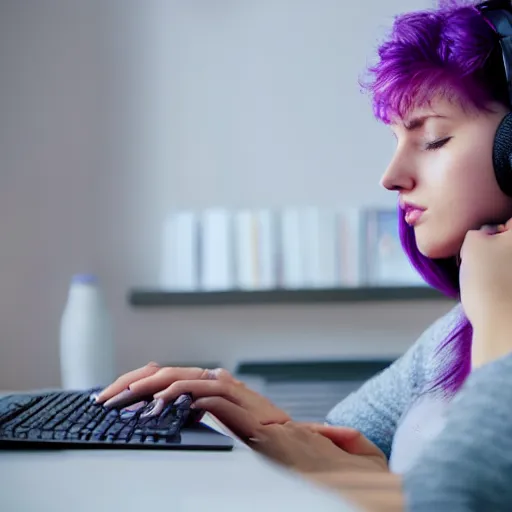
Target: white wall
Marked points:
114	112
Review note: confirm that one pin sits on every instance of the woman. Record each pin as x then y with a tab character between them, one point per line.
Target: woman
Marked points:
440	86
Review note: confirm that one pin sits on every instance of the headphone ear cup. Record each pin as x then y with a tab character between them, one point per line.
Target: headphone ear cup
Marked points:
502	155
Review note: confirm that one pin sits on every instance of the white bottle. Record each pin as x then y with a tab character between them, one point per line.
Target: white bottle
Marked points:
86	344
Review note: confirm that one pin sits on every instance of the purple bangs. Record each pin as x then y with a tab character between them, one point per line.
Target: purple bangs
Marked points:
431	53
440	52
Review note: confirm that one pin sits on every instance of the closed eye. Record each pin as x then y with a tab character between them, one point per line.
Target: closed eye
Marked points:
431	146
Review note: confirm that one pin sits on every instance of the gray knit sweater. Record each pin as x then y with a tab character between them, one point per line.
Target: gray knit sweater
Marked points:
455	454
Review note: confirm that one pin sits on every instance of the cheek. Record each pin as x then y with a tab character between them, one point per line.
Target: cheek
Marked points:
460	190
478	198
463	195
466	183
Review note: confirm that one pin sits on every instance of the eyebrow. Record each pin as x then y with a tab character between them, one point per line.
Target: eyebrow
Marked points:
418	122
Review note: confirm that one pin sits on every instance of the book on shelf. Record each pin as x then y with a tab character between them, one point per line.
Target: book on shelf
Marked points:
216	255
179	261
255	241
292	248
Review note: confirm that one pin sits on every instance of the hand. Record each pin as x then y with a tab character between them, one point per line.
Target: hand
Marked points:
166	384
305	447
351	441
486	290
309	451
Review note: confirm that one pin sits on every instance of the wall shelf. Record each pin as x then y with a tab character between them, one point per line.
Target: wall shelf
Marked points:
140	297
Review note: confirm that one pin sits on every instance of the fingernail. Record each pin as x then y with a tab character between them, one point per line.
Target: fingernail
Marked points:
154	408
181	400
93	397
97	396
137	406
213	374
491	229
121	399
130	411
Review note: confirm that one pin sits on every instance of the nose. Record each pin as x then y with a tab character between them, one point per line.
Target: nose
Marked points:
399	176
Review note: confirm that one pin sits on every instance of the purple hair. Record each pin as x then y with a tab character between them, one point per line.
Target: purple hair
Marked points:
449	51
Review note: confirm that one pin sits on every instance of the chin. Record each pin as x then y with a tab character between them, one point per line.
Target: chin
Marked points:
435	248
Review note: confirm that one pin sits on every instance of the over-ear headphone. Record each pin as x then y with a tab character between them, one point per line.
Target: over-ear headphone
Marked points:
498	14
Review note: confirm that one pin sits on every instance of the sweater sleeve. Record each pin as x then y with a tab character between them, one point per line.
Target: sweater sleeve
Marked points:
468	467
376	408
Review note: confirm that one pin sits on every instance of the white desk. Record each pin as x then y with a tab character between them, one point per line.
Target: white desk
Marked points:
159	481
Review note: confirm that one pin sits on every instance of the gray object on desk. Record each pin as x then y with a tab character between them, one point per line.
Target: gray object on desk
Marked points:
308	390
134	481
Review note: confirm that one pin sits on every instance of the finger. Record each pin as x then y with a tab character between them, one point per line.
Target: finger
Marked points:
505	229
350	440
161	379
221	374
201	388
342	437
480	240
164	377
347	433
125	380
237	419
491	229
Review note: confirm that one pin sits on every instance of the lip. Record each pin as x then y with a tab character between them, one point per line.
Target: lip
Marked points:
413	212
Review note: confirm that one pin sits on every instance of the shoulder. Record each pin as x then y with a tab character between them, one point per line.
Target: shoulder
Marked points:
438	331
427	356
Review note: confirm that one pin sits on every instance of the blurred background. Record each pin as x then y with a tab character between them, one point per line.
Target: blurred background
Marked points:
113	113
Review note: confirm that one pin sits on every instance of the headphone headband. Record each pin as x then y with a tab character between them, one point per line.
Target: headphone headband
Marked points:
498	13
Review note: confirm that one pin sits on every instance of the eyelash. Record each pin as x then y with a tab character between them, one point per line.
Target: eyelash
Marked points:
432	146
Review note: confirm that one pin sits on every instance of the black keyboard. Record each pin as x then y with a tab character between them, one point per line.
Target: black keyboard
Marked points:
74	418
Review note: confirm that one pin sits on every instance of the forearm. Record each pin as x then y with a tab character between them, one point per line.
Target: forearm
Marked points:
369	491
